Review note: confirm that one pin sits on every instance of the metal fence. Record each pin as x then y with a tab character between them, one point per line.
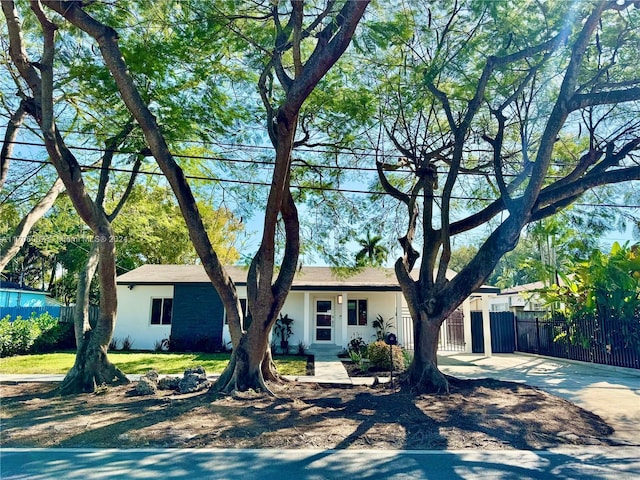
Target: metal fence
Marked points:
451	333
604	341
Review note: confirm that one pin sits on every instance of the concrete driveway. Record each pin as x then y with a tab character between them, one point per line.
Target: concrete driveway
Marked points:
610	392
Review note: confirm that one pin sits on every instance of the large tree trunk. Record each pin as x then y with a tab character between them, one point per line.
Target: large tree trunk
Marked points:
424	375
244	371
81	313
92	367
269	370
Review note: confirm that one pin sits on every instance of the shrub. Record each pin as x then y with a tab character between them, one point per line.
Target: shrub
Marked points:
354	356
23	334
114	343
5	337
378	353
382	327
357	345
50	332
302	347
41	333
66	338
18	336
127	343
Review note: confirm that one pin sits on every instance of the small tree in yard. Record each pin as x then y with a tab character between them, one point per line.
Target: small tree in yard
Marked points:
546	109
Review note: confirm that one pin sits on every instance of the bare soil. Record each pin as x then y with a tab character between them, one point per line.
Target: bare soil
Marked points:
485	414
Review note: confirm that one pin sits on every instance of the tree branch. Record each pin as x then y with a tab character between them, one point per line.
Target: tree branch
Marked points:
10	135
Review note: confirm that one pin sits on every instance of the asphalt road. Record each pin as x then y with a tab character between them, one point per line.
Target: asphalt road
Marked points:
619	463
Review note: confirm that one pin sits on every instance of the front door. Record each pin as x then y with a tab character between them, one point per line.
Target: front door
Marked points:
324	321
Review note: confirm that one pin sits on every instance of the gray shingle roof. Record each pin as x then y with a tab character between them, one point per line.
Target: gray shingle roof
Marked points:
305	277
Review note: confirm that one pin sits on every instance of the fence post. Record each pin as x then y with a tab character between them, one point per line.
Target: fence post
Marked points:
467	335
486	328
537	335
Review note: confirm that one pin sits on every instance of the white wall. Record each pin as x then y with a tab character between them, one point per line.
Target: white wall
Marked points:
378	303
134	315
383	303
294	307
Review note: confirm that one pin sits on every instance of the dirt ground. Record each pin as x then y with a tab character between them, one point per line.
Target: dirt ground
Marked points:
485	414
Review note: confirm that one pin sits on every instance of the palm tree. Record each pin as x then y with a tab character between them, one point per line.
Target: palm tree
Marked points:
372	252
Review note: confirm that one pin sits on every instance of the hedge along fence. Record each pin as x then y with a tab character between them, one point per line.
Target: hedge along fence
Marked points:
65	314
38	333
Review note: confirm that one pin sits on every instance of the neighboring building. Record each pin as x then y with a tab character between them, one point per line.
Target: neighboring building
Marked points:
156	302
16	295
518	299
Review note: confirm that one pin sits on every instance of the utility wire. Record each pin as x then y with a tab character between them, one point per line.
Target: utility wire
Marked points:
300	187
265	163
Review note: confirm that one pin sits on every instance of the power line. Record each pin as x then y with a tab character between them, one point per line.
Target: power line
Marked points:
266	163
299	187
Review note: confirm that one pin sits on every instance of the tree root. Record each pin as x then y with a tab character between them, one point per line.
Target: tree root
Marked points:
85	379
91	368
430	380
232	381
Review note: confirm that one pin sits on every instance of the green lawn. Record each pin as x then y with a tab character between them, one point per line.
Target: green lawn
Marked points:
140	362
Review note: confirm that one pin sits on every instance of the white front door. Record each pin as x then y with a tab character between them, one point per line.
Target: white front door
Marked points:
324	321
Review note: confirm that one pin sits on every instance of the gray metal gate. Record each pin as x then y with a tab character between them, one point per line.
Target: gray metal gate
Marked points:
503	332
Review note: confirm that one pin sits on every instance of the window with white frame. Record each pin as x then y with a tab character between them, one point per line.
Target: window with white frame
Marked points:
161	310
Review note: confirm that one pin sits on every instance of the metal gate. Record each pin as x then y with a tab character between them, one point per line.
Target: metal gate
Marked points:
451	333
503	332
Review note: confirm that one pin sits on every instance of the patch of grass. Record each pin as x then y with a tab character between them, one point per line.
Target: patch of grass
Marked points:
291	364
139	362
38	363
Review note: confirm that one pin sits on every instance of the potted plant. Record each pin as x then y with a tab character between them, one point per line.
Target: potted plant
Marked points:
283	330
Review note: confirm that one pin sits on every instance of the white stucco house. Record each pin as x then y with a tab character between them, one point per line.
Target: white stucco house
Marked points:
156	302
519	298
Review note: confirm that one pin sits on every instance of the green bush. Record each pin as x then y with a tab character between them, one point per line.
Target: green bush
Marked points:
5	337
35	334
378	353
50	332
357	345
24	333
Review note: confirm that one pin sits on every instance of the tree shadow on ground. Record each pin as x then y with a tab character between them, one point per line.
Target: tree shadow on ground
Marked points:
477	414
